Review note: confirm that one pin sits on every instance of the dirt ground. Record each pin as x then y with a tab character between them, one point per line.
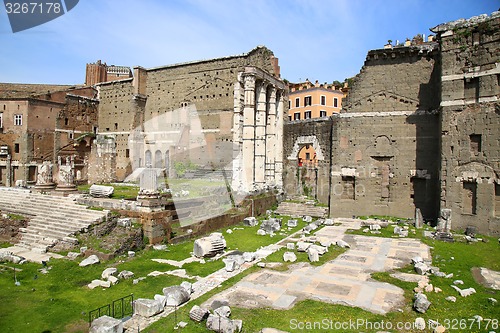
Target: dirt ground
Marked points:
9	228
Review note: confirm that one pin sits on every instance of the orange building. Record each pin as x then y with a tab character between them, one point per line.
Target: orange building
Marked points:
308	100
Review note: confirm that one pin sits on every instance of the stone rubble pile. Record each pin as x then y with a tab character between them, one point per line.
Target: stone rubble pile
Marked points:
217	318
108	278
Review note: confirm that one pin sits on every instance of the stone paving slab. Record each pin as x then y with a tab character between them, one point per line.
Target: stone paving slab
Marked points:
31	255
488	278
344	280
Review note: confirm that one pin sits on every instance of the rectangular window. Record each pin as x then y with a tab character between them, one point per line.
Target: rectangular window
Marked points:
469	197
471	87
116	126
322	113
290	118
497	200
307	101
127	153
307	115
289	104
296	116
335	102
348	188
71	135
475	143
308	156
1	119
16	147
323	100
18	119
297	102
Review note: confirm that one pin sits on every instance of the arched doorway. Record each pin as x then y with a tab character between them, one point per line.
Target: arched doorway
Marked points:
148	158
158	159
307	156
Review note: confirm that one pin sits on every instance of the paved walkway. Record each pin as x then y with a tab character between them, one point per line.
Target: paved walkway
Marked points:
344	280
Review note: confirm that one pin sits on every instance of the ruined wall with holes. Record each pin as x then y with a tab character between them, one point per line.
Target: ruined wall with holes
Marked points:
312	180
204	88
385	151
470	182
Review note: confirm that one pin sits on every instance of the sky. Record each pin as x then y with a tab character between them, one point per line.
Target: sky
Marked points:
322	40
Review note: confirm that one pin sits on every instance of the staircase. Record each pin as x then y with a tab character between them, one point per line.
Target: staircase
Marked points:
52	218
301	209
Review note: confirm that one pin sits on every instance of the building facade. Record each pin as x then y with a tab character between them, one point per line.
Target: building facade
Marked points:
41	123
225	114
308	100
470	122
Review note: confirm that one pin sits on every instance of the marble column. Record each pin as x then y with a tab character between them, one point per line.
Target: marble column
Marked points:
278	168
260	136
271	137
249	135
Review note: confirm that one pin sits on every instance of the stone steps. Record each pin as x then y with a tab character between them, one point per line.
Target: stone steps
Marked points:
301	209
52	218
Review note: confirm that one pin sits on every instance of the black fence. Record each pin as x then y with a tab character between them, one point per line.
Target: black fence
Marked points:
118	309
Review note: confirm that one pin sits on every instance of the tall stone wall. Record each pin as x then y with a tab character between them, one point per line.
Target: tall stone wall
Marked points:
298	180
470	160
385	151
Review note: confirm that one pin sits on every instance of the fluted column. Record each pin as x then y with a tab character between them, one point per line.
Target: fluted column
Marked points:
278	170
271	137
249	134
260	135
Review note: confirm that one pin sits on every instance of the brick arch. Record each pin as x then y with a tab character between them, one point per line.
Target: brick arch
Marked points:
301	141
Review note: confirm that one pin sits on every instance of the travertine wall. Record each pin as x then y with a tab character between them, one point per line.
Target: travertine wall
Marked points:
471	122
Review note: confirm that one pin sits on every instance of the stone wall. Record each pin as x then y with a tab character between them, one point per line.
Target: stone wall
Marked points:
385	164
385	143
470	160
318	134
190	113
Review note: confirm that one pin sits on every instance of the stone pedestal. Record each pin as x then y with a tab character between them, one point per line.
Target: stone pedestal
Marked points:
66	178
149	196
44	180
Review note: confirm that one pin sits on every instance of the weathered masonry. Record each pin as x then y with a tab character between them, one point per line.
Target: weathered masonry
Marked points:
385	151
419	129
470	121
207	113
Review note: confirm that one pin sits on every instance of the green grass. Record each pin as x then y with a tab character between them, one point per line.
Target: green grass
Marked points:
383	217
60	300
5	244
120	191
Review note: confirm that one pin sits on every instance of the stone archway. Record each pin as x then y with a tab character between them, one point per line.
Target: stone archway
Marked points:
302	141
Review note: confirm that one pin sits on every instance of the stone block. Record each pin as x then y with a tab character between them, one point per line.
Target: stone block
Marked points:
289	256
147	307
106	324
198	314
90	260
108	272
176	295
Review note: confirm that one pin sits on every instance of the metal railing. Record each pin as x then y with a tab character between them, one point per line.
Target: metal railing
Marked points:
118	309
